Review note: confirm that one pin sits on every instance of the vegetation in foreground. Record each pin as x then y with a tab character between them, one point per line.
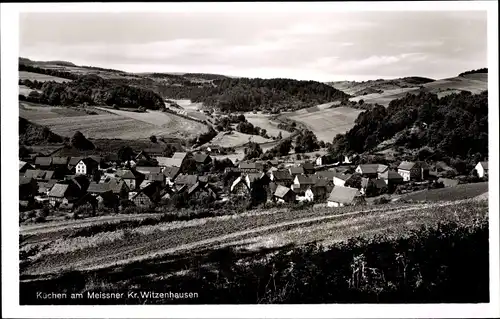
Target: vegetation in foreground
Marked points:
427	265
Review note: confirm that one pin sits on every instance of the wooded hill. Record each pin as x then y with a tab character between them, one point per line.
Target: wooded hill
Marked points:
455	125
34	134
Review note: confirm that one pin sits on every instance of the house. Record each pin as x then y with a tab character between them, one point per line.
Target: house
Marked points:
391	178
343	196
296	170
86	166
340	179
200	187
140	199
96	189
214	149
186	180
202	159
301	183
366	182
60	165
39	175
23	167
328	175
251	167
43	162
413	170
253	179
142	156
240	187
179	158
448	182
153	151
281	177
482	169
308	167
321	188
146	170
66	193
132	178
371	170
171	173
72	163
284	194
28	188
323	160
44	187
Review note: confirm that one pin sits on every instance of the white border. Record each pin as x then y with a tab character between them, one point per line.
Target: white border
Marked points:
9	146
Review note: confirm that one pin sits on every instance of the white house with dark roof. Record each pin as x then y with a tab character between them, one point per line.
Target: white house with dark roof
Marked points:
413	170
482	169
284	194
340	179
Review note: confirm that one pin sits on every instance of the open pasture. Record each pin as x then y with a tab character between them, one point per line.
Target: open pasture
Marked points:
235	139
36	113
264	122
24	75
449	193
328	122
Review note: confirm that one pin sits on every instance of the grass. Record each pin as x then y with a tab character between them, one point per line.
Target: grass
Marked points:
326	123
23	75
264	121
236	139
449	193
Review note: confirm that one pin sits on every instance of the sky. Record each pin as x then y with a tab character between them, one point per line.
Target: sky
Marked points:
322	46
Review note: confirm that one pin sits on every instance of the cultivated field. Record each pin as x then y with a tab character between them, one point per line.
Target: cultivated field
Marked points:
449	193
327	122
23	75
253	230
264	122
237	139
192	109
37	112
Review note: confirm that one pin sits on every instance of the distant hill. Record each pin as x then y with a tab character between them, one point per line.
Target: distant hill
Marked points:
483	70
378	86
34	134
30	62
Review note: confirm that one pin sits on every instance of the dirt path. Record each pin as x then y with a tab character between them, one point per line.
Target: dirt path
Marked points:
223	232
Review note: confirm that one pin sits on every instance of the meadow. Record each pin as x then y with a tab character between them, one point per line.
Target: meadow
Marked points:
23	75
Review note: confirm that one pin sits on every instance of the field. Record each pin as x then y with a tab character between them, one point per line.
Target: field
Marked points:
191	109
449	193
111	123
252	230
236	139
24	90
23	75
327	122
264	122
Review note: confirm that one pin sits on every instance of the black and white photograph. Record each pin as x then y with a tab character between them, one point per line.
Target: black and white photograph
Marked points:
268	153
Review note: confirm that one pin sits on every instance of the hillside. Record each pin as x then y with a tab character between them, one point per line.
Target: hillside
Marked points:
30	62
452	126
34	134
378	86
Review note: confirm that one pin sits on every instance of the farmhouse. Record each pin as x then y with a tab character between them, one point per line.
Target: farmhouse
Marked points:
366	183
44	187
308	167
202	159
391	178
63	194
118	187
342	196
301	183
146	170
240	187
340	179
186	180
204	188
284	194
27	188
95	189
140	199
281	177
72	163
249	167
323	160
328	175
321	187
296	170
371	170
131	177
23	166
43	162
39	175
86	166
413	170
214	149
171	174
482	169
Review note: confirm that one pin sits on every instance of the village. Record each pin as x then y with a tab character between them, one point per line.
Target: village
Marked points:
60	184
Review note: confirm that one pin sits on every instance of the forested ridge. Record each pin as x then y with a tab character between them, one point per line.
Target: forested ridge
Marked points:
455	125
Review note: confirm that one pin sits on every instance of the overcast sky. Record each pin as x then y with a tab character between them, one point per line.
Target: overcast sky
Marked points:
316	46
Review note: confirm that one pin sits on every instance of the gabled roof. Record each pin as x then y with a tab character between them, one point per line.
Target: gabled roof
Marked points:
344	195
74	160
282	191
342	176
98	188
368	168
43	161
171	171
304	180
391	175
307	165
25	180
406	165
88	161
252	177
321	182
194	187
484	164
186	179
58	190
148	169
128	174
239	180
48	175
23	164
180	155
60	160
115	185
325	174
251	165
378	183
158	177
296	170
200	157
282	175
